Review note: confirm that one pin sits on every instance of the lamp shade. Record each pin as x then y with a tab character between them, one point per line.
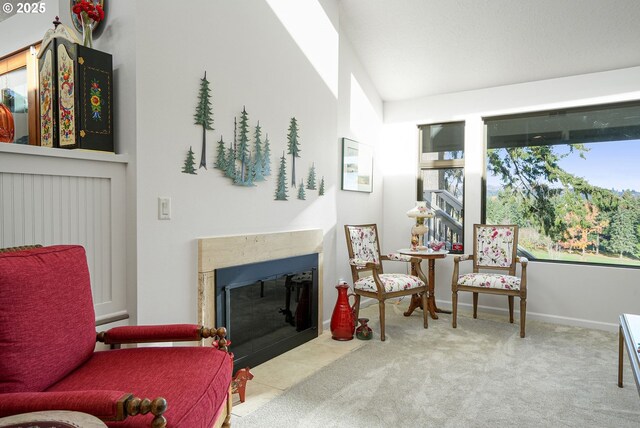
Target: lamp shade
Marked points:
420	211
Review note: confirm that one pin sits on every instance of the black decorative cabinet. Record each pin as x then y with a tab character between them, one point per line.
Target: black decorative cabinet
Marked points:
76	96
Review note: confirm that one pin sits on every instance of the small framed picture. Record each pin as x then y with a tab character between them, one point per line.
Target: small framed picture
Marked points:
357	166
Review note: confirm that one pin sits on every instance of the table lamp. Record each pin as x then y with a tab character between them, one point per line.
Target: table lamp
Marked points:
419	212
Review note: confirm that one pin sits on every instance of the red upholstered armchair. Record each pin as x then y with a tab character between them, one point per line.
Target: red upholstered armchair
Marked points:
47	358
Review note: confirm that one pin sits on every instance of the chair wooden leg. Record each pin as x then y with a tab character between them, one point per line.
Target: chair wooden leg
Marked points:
425	311
523	313
475	305
381	306
510	309
454	309
357	309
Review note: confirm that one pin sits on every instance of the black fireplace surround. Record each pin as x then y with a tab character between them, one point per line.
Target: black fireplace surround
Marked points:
268	307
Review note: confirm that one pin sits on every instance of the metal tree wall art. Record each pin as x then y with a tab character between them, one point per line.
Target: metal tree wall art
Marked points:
321	189
311	179
257	165
221	160
189	163
281	185
266	157
301	194
293	148
230	163
242	153
204	116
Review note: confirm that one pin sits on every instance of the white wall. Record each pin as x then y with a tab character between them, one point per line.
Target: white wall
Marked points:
574	294
360	119
279	60
22	30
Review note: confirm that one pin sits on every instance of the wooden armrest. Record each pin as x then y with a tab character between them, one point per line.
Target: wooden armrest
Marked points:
105	405
163	333
462	258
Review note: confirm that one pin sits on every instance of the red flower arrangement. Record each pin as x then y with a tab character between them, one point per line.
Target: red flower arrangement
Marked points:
87	10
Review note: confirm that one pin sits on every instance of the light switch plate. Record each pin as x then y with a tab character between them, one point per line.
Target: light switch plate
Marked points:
164	208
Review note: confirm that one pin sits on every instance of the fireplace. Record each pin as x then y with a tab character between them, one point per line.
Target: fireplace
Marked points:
268	307
293	279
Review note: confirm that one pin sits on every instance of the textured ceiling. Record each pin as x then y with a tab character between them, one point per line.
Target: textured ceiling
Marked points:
414	48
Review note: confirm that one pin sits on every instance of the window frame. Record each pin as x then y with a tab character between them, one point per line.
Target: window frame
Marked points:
538	113
440	164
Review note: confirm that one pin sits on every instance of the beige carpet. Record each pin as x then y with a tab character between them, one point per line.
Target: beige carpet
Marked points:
480	375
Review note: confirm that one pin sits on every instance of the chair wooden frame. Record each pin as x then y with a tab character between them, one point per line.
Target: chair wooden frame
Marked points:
375	269
509	270
129	405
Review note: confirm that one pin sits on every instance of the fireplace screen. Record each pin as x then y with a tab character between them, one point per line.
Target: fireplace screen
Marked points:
268	308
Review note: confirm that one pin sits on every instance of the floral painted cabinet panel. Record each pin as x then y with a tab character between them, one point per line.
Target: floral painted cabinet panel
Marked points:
83	107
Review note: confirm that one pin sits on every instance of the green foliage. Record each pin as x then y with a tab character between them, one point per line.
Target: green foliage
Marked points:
623	238
530	172
321	189
189	163
301	193
560	211
281	186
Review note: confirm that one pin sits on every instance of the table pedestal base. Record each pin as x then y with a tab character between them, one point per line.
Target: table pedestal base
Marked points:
416	302
416	299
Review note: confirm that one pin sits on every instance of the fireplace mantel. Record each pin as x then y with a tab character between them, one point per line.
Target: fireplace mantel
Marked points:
225	251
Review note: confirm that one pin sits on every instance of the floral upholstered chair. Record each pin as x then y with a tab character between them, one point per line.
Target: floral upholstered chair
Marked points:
368	277
494	250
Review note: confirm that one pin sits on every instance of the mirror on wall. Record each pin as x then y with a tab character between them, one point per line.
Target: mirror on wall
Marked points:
18	120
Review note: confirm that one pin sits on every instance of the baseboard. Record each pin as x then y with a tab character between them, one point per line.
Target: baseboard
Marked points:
553	319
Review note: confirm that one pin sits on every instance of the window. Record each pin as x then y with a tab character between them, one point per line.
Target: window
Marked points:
441	181
570	180
18	95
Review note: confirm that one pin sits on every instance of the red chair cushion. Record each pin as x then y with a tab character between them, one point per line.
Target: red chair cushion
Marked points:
194	381
47	322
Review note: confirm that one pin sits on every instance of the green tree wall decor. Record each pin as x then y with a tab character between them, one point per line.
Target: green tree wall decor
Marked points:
293	148
266	157
311	179
221	160
189	163
301	194
230	163
204	116
242	154
257	164
321	190
281	185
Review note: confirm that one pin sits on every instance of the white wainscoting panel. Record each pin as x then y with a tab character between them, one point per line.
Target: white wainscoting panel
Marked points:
49	200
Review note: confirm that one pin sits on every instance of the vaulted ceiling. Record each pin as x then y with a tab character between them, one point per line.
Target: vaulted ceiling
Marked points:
415	48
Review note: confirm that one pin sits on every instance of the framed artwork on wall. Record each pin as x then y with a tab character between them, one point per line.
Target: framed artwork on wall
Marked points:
357	166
